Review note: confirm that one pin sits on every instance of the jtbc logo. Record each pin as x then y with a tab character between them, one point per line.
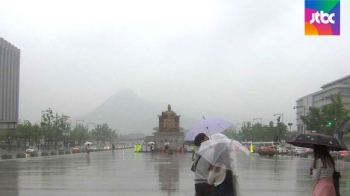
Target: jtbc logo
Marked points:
316	17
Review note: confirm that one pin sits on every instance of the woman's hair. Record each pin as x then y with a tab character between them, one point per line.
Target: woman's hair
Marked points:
321	152
199	138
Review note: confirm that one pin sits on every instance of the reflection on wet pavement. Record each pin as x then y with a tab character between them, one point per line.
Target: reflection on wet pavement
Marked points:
126	173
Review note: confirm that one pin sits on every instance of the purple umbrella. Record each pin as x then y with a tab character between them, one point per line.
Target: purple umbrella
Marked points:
209	127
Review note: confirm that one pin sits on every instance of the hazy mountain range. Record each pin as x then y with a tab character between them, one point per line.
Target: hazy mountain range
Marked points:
128	113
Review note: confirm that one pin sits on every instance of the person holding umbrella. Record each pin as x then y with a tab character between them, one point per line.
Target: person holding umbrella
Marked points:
220	152
88	150
220	174
324	173
200	168
322	170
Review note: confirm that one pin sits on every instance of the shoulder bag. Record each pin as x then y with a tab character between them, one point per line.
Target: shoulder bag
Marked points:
194	165
336	177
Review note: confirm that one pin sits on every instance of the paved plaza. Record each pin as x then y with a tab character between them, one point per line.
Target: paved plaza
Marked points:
126	173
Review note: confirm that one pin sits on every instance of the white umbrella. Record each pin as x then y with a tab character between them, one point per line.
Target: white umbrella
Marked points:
220	146
86	143
220	151
218	136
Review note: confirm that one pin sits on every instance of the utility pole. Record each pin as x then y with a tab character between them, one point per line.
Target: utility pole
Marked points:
278	121
290	127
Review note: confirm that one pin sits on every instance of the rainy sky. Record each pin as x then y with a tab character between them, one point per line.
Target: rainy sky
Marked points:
243	59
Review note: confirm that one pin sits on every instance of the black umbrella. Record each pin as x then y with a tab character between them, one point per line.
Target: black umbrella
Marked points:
308	140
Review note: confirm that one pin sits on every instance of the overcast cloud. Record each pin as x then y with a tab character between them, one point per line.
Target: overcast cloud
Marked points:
242	58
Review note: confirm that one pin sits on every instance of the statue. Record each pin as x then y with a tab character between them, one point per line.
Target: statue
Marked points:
169	121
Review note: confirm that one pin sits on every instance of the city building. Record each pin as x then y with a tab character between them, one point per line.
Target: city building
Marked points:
9	85
321	98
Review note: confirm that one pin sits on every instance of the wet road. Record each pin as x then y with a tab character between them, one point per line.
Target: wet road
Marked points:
126	173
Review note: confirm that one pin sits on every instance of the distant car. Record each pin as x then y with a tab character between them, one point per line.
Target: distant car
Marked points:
93	148
76	149
282	150
272	148
263	148
106	148
61	149
343	153
297	150
335	153
309	150
121	146
32	150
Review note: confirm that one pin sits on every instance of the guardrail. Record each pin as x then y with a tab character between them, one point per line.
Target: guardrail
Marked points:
52	153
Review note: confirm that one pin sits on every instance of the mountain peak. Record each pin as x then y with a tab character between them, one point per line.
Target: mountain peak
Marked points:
125	93
127	112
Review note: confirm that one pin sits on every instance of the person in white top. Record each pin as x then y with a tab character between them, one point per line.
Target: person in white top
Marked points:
220	174
322	171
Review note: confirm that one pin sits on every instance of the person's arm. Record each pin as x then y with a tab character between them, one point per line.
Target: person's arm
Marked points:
212	176
316	172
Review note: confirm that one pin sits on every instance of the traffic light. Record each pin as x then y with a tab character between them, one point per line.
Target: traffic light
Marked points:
329	123
278	119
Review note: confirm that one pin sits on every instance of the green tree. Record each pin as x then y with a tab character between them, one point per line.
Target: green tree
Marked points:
282	131
36	133
114	135
24	129
230	133
314	120
53	126
246	130
334	112
80	132
9	136
103	133
270	131
258	132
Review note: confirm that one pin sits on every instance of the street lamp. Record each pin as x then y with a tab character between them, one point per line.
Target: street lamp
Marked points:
279	115
301	106
87	126
76	122
278	130
258	119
